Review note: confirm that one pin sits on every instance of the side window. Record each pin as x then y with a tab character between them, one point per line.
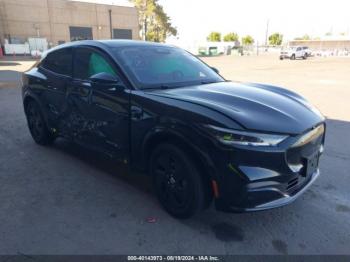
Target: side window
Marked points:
98	64
89	62
59	61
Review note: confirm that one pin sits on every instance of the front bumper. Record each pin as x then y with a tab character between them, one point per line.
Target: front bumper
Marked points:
285	55
257	179
281	200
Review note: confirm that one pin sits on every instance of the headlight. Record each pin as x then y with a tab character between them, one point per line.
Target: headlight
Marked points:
235	137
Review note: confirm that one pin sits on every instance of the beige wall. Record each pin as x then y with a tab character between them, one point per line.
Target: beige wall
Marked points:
20	18
322	44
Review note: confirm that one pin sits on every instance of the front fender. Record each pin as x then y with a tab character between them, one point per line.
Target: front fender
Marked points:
182	138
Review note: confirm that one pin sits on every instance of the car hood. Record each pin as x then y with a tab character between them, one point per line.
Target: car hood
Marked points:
253	106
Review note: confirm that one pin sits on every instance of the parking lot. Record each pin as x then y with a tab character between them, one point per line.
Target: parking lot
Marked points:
65	200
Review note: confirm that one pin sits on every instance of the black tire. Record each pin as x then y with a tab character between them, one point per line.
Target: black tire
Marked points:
37	125
177	183
305	56
281	58
292	57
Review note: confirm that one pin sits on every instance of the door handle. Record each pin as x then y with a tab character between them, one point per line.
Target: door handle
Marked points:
82	88
83	91
112	89
87	84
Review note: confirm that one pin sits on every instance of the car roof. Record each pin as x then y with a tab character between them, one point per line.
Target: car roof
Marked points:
108	44
118	43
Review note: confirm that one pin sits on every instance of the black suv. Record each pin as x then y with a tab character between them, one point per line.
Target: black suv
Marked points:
161	110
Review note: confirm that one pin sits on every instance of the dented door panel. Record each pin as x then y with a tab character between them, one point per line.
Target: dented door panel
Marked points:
110	109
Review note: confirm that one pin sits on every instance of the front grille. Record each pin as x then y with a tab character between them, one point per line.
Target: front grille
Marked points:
292	183
295	184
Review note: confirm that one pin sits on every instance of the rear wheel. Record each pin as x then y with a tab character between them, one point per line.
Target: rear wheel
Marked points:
37	125
177	182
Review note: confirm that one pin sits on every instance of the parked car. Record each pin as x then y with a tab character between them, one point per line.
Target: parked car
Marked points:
293	53
163	111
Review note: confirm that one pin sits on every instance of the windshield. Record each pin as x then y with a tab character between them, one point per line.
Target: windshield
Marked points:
154	66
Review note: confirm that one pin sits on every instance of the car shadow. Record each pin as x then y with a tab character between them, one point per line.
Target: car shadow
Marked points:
10	76
209	221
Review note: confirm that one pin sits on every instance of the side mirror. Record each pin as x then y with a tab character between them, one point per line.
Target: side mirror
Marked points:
104	79
215	70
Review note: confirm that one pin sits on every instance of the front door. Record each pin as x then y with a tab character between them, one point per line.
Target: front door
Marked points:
100	115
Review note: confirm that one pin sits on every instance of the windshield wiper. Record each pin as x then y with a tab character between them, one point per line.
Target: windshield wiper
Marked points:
157	87
208	82
164	86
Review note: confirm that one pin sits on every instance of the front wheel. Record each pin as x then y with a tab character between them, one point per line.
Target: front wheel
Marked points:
37	125
178	185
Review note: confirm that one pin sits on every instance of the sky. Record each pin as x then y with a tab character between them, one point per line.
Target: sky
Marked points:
195	19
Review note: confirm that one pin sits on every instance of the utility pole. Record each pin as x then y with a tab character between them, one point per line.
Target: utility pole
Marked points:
267	32
50	24
110	22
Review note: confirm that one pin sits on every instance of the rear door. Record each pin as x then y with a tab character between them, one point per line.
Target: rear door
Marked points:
101	115
57	71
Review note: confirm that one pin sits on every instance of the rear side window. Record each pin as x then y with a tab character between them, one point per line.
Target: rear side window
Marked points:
59	62
89	62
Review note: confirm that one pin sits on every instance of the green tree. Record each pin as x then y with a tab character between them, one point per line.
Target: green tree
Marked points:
248	40
231	37
304	37
155	24
214	37
275	39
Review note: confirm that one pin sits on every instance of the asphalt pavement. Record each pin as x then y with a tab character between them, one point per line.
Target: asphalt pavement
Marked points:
66	200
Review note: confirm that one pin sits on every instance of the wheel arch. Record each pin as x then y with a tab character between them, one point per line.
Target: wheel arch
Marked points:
202	161
27	99
155	138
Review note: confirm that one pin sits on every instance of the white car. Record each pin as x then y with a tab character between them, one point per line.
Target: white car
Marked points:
294	52
307	51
